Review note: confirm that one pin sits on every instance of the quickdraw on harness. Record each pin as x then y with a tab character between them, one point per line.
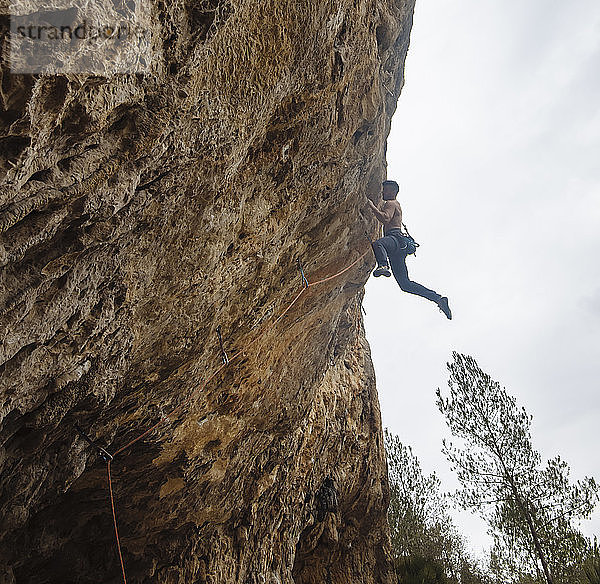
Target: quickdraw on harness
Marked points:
407	241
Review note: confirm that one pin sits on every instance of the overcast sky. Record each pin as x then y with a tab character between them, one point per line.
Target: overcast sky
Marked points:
496	146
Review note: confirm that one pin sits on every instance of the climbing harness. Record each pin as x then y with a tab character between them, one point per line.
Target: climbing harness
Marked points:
170	416
405	240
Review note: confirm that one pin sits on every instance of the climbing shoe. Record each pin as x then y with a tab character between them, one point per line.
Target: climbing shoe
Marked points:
382	271
443	306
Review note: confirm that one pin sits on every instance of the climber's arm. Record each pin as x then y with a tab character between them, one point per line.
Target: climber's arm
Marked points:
386	214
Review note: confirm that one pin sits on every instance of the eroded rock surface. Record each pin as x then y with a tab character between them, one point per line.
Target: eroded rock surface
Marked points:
137	214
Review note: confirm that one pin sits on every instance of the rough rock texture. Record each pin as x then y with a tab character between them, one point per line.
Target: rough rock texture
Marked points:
140	212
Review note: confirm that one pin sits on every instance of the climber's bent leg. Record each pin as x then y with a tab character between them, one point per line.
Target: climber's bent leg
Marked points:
384	248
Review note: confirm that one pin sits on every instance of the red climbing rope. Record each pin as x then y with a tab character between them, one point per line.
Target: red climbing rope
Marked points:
286	310
216	372
339	273
112	504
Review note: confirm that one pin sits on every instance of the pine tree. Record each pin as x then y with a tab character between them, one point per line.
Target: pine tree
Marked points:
531	510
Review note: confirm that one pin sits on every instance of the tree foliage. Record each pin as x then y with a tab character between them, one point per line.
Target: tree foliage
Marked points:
420	570
532	509
417	510
427	547
591	567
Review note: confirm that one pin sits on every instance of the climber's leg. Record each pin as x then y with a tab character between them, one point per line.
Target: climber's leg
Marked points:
383	248
400	272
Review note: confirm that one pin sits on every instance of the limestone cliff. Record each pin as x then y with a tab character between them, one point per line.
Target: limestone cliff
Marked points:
138	213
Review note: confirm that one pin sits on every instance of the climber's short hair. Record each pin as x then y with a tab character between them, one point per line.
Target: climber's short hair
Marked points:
393	183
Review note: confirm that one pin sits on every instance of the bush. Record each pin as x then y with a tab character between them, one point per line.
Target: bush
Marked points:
591	571
419	570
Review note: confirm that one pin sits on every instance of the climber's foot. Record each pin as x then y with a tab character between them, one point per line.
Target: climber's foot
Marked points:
382	271
443	306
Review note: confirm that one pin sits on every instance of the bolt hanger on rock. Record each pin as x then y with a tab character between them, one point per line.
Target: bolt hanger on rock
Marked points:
303	277
224	356
104	454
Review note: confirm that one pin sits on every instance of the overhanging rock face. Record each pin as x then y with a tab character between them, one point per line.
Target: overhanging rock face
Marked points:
138	213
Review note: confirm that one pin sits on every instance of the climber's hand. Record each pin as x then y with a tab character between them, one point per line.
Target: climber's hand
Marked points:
372	205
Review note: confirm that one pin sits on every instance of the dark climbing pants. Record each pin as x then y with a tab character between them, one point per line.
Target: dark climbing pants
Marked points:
391	247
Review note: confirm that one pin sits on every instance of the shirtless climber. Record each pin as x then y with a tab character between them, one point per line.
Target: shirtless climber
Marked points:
391	247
